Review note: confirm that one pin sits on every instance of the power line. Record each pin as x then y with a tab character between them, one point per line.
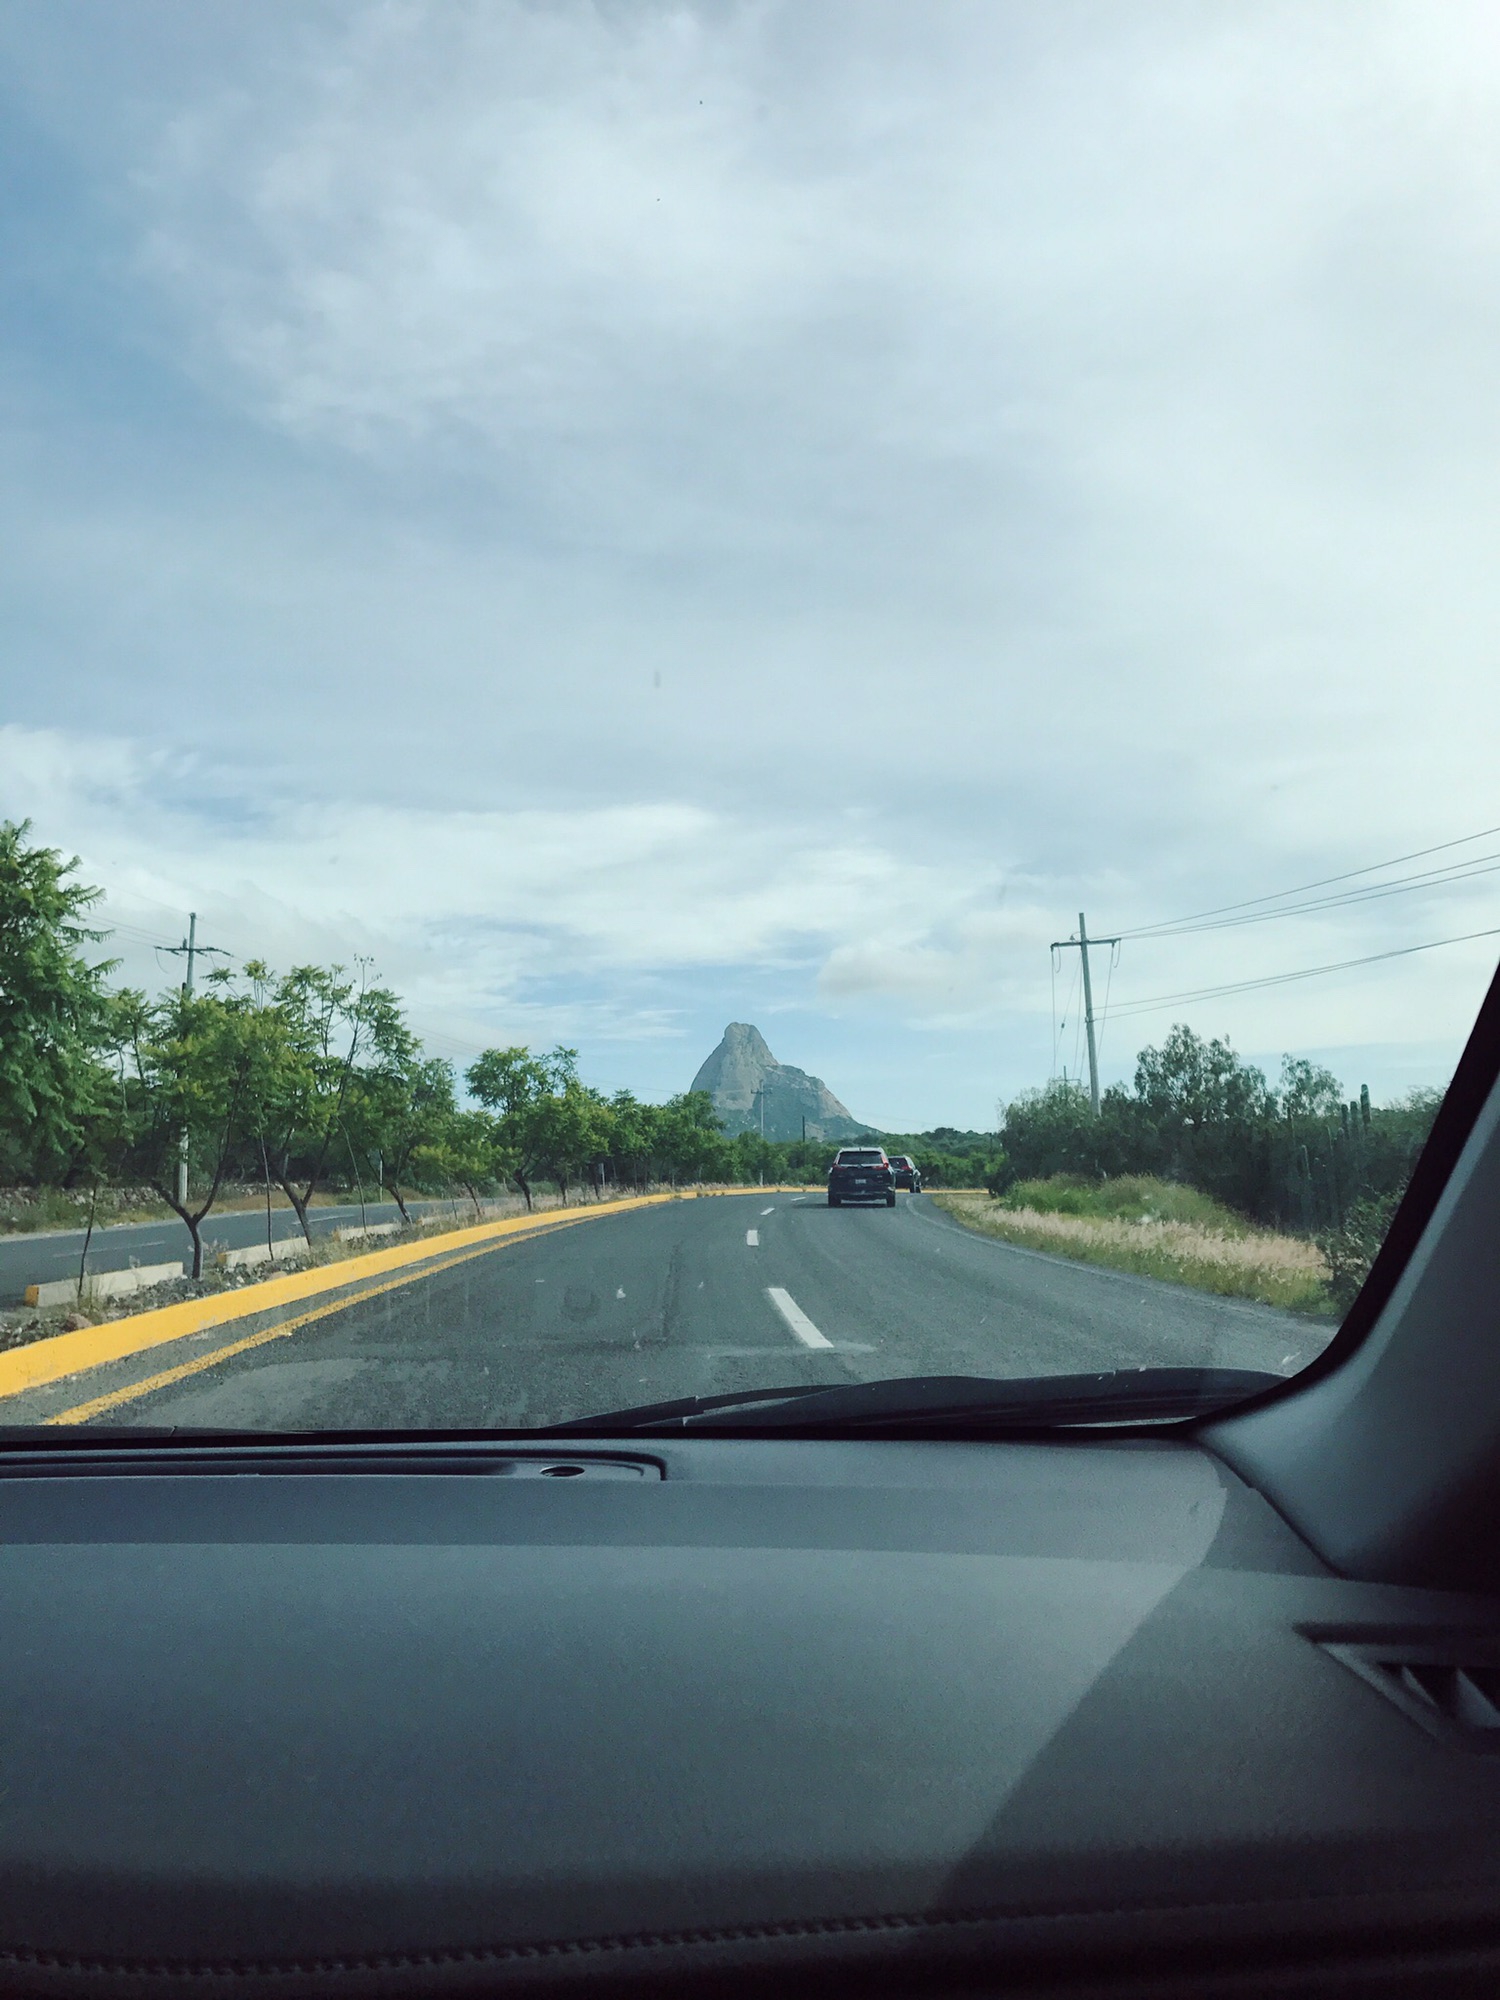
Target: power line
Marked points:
1431	878
141	937
1304	888
1060	1021
1056	1029
1284	978
1109	980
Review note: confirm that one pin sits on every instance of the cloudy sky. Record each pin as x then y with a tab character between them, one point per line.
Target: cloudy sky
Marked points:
633	516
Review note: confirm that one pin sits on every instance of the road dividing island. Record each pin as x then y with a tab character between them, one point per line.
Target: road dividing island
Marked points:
40	1382
190	1329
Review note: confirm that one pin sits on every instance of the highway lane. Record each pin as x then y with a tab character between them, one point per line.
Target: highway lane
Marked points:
703	1297
35	1257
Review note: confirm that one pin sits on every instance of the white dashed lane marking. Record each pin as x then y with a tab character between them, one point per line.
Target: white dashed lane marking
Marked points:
769	1211
752	1238
796	1318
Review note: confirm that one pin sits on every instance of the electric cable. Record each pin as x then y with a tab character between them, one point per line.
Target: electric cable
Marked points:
1323	882
1161	1000
1432	878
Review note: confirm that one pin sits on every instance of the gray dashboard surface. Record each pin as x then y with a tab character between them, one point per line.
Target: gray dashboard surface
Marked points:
807	1705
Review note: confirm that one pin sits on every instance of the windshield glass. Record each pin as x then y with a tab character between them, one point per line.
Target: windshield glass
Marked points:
496	498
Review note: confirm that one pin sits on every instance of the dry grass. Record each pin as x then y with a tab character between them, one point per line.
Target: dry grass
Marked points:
1245	1263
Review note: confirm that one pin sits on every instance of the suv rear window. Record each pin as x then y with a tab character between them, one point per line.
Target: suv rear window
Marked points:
860	1159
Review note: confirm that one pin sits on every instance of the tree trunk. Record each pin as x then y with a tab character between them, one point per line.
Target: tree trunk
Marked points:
299	1202
525	1186
88	1237
396	1197
194	1223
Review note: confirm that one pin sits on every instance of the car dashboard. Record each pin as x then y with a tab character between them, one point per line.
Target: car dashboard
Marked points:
1003	1716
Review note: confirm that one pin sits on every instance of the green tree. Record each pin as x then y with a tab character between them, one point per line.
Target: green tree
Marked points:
1308	1091
410	1114
547	1123
462	1152
206	1066
398	1099
53	1010
632	1134
336	1028
690	1140
563	1130
1051	1131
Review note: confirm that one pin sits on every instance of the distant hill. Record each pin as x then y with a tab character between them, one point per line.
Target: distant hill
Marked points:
744	1079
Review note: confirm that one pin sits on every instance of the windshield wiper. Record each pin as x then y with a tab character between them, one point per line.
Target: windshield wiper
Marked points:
942	1403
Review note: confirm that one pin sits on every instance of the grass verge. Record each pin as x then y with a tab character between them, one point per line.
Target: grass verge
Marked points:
1133	1227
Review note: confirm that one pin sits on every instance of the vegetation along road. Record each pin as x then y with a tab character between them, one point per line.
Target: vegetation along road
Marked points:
689	1298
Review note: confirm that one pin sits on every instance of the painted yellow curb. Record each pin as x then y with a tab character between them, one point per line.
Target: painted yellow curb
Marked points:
64	1354
281	1329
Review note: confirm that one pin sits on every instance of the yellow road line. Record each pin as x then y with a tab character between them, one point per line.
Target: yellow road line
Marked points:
82	1412
42	1361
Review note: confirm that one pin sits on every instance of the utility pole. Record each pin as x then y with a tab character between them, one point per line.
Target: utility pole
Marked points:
189	949
1082	942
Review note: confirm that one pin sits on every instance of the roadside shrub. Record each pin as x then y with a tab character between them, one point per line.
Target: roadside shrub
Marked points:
1130	1198
1352	1249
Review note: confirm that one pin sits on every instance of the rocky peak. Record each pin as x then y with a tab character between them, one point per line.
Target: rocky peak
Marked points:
750	1088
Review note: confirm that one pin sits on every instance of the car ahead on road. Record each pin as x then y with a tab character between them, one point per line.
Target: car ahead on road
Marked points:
861	1173
908	1174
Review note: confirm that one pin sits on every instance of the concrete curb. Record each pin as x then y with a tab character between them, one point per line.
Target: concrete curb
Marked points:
285	1250
102	1285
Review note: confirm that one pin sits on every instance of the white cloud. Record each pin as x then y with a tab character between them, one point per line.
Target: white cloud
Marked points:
470	910
669	494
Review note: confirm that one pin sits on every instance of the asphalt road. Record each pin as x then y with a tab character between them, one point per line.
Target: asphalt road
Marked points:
33	1258
702	1297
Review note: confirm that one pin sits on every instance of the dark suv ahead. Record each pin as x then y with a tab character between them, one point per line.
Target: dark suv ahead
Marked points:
908	1174
861	1173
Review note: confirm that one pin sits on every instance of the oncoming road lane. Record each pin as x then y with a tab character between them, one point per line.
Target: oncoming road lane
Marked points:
691	1298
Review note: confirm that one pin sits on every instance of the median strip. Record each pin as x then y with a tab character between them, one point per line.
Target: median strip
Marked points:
82	1413
45	1361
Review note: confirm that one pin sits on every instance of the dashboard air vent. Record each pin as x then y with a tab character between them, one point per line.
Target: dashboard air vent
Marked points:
1452	1687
